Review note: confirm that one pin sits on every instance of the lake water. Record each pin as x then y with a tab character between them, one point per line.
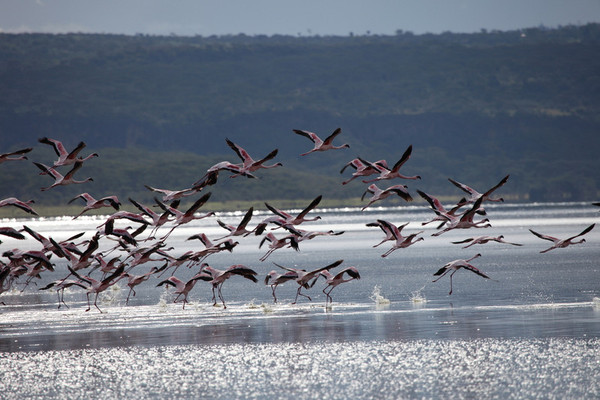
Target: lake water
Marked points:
531	331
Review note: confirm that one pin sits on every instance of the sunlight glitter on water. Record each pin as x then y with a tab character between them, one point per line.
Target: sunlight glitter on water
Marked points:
482	368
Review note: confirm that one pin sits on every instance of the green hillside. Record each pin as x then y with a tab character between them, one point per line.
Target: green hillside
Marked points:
475	107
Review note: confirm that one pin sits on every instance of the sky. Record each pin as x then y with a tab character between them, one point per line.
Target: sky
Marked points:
299	17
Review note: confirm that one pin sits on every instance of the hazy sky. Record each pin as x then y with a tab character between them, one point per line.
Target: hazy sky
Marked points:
305	17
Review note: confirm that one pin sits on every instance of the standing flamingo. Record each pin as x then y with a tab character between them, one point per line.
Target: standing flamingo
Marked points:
319	144
455	266
561	243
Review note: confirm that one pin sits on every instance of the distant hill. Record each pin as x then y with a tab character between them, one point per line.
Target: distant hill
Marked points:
475	107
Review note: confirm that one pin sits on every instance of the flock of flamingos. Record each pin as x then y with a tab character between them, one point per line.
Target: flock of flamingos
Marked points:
133	249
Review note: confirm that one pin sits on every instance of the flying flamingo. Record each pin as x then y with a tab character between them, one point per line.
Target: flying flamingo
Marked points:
220	276
304	276
65	157
23	205
60	286
483	240
400	240
275	279
134	280
386	227
275	243
170	195
187	216
335	280
92	204
59	179
463	221
379	194
319	144
442	215
11	232
455	266
248	163
362	168
184	288
475	195
285	218
96	287
561	243
387	173
240	229
18	153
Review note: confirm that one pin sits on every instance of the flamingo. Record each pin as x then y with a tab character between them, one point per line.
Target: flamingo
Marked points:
335	280
319	144
385	226
220	276
455	266
561	243
362	167
475	195
92	204
65	157
387	173
304	276
96	287
210	247
240	229
18	153
275	279
288	219
400	240
248	163
184	288
441	214
59	179
11	232
275	243
379	194
483	240
60	286
23	205
134	280
170	195
187	216
463	221
158	220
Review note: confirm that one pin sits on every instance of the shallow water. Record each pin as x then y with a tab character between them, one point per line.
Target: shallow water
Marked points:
531	331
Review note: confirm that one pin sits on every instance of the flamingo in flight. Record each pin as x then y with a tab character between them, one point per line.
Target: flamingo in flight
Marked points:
455	266
287	219
362	168
483	240
304	276
135	280
380	194
91	203
319	144
475	195
240	229
394	172
385	226
400	240
184	288
65	157
18	155
170	195
335	280
59	179
96	287
23	205
220	276
275	279
561	243
248	163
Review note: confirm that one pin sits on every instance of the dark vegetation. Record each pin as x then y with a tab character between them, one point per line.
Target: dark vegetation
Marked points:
475	107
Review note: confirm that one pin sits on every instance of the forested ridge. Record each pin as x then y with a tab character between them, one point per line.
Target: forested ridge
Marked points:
475	107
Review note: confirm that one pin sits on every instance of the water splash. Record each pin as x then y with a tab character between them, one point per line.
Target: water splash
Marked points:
377	297
417	297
